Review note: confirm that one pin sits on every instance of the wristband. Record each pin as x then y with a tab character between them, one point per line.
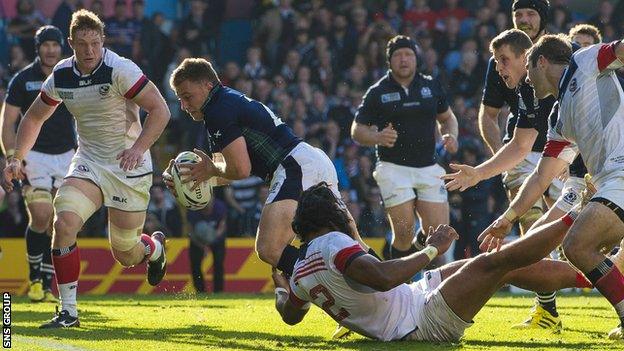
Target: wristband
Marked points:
510	215
430	251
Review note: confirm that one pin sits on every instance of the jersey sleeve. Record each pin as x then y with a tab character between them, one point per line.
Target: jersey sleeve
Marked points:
342	250
558	146
442	102
298	296
129	78
16	93
598	58
526	109
368	111
492	93
48	93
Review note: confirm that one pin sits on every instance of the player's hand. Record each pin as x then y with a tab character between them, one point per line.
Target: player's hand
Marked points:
198	172
450	143
168	179
465	177
130	159
12	171
442	237
387	137
279	280
492	237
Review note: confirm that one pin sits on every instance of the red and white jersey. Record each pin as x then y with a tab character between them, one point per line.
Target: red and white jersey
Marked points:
318	278
106	117
590	117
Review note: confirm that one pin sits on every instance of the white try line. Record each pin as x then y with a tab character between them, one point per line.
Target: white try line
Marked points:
49	344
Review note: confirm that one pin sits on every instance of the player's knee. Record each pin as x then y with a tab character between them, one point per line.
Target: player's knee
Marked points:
573	248
268	253
126	258
65	227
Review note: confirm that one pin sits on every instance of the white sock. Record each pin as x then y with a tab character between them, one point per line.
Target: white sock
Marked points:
157	250
68	294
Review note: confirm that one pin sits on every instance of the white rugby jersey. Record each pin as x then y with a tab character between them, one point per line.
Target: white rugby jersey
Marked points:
590	117
106	117
319	278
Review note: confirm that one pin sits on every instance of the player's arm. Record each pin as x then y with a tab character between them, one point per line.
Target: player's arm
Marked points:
150	100
619	50
488	126
386	275
504	159
30	126
363	129
447	125
8	120
237	164
291	312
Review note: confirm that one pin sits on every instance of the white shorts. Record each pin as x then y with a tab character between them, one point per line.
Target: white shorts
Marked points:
302	168
399	184
46	171
434	319
120	190
611	188
571	194
514	178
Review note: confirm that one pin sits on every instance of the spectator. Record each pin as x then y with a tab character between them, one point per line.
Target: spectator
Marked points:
122	32
62	17
13	218
373	219
208	227
242	197
24	26
166	211
198	29
254	69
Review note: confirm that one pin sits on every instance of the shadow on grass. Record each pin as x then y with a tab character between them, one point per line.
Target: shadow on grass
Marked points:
531	344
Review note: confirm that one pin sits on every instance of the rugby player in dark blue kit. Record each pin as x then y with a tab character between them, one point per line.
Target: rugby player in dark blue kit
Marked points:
398	116
46	164
253	141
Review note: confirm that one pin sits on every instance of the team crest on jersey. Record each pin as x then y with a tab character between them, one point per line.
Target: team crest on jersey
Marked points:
573	85
390	97
104	90
425	92
570	198
66	95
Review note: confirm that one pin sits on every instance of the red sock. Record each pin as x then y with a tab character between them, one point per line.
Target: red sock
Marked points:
582	282
611	286
66	265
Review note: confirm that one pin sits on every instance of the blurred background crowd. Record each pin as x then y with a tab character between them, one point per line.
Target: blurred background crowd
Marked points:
310	62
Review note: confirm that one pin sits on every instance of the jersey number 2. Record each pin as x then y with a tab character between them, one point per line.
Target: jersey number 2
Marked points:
329	303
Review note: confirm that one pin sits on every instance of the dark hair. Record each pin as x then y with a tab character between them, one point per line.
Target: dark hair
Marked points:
518	41
555	48
586	29
319	208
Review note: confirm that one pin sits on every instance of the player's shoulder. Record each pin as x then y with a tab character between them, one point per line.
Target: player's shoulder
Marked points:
380	86
64	64
117	62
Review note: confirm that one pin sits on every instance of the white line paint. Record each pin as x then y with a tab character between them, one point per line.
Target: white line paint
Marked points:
49	344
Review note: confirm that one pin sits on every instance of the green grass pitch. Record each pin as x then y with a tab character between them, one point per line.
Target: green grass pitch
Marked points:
249	322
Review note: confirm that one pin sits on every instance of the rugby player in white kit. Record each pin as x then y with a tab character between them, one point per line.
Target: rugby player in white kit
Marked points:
369	297
112	166
588	119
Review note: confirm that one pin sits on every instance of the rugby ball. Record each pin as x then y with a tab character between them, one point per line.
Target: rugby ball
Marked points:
191	199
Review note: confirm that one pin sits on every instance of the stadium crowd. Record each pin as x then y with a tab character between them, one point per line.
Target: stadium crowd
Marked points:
310	62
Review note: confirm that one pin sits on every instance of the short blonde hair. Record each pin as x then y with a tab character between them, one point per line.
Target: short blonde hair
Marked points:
194	70
85	19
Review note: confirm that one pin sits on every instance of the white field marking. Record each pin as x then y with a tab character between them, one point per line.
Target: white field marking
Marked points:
49	344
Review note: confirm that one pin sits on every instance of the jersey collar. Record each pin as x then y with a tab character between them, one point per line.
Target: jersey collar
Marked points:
77	72
212	92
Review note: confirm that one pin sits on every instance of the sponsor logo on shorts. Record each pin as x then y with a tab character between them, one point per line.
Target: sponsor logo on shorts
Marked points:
570	197
274	187
83	168
122	200
573	85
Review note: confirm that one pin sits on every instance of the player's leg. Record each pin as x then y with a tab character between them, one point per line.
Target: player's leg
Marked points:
275	235
131	247
469	288
600	225
40	212
218	272
75	201
527	220
397	190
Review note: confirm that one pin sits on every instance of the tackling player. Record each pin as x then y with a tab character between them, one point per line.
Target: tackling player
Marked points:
368	296
112	166
46	164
